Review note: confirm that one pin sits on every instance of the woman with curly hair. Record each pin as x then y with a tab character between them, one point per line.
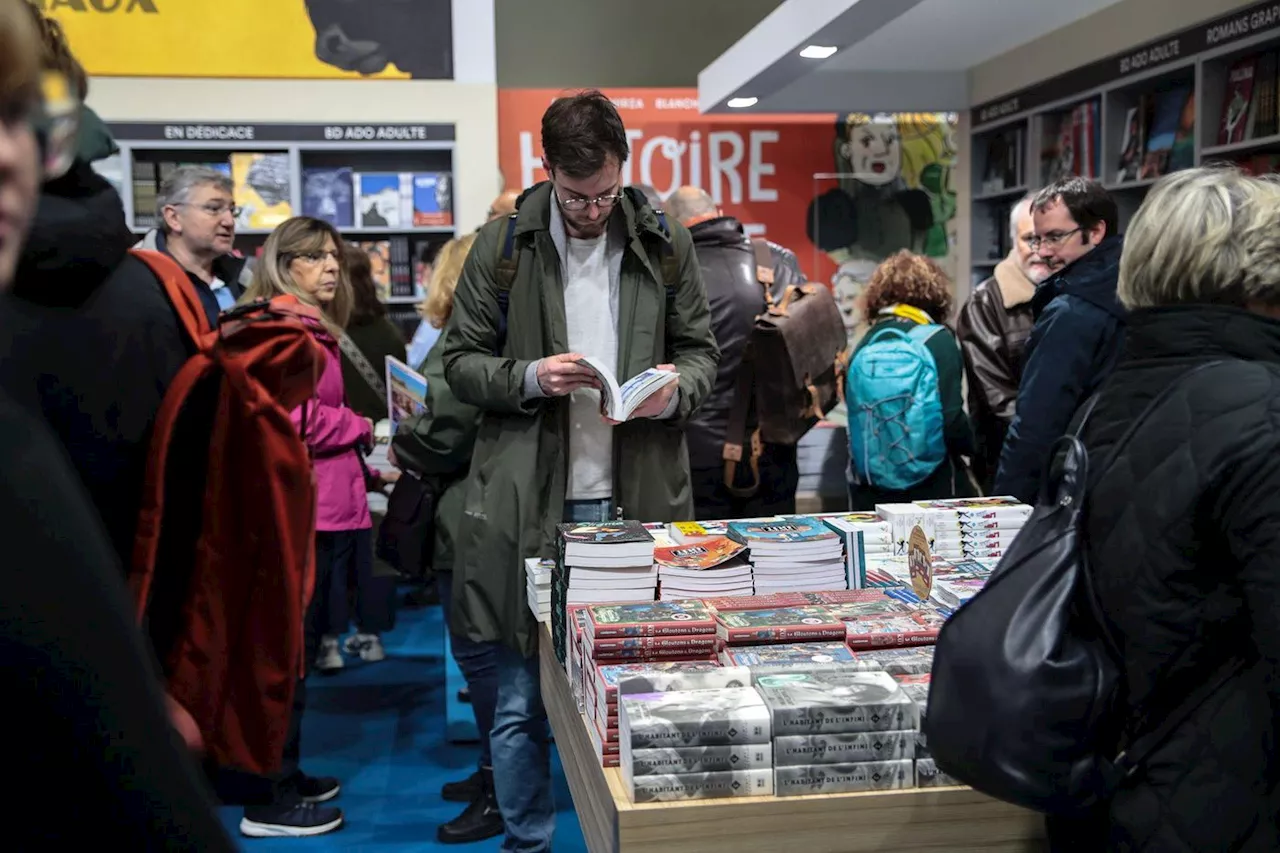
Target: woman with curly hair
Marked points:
908	429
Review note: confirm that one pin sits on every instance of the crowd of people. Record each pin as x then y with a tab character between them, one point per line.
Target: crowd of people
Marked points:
1183	532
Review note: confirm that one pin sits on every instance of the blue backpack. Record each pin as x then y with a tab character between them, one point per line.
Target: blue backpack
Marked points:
895	409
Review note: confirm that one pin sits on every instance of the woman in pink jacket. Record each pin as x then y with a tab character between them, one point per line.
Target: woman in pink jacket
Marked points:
303	258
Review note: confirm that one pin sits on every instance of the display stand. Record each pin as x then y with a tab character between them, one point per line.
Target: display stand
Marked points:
907	821
1197	60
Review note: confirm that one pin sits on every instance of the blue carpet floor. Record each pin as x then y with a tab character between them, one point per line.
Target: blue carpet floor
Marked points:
381	729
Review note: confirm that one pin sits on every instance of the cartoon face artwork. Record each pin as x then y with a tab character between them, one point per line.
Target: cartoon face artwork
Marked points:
874	151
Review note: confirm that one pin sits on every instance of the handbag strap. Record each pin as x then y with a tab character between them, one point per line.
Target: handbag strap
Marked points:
736	432
362	365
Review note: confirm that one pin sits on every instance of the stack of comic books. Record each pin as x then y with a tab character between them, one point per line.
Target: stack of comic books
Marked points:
779	657
792	554
711	567
695	744
803	623
981	528
916	686
537	575
608	683
596	563
839	730
866	538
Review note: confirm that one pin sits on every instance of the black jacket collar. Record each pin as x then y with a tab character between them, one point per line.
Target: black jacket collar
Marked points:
721	231
1093	278
1201	332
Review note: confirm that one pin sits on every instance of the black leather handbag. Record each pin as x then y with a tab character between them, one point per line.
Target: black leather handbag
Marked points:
407	533
1024	700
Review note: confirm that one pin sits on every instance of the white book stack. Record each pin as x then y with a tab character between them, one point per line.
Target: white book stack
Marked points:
976	528
538	586
793	554
728	579
608	563
866	540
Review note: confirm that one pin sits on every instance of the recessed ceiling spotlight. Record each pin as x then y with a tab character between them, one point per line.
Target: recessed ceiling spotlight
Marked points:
818	51
742	103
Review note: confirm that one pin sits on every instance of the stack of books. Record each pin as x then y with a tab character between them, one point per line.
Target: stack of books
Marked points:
805	623
976	528
786	656
916	686
695	744
793	554
609	682
537	575
600	562
838	731
866	538
711	567
918	627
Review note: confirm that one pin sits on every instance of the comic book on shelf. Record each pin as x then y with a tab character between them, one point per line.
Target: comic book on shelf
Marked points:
700	786
844	748
697	759
693	718
707	554
650	619
843	778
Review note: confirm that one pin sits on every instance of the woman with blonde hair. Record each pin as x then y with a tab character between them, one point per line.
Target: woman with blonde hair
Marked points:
436	448
445	270
303	257
1183	527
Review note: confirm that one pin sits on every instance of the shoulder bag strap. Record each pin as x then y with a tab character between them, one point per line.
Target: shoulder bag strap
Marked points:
736	429
362	365
764	268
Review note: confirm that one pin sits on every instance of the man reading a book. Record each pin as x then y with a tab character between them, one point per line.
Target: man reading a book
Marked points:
585	270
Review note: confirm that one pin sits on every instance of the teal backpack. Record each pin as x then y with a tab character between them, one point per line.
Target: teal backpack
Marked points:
895	409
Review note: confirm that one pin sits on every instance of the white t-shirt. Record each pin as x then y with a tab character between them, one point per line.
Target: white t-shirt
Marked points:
593	331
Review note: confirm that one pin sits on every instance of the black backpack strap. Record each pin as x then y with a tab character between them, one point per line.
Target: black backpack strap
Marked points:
670	265
507	266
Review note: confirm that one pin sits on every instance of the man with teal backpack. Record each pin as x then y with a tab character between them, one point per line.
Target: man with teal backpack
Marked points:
908	430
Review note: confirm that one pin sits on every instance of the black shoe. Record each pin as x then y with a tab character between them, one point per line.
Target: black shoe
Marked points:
464	695
480	820
315	789
464	791
289	821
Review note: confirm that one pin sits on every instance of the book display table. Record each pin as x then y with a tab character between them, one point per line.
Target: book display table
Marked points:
902	821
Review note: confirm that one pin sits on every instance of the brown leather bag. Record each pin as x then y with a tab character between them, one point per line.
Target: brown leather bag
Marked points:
792	371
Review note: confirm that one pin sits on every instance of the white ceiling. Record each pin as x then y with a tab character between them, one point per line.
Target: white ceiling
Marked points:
898	55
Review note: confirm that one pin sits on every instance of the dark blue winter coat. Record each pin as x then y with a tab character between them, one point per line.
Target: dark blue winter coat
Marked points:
1076	341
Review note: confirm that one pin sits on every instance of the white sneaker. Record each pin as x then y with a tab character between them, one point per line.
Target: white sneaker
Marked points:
367	646
329	658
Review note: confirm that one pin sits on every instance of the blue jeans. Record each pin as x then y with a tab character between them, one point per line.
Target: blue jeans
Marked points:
519	740
479	665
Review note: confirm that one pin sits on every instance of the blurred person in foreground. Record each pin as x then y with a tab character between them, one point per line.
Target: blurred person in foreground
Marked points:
437	446
736	296
375	337
81	688
993	327
1183	530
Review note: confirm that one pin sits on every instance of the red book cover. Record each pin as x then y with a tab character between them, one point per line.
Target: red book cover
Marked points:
1235	105
910	629
649	619
782	624
756	602
700	644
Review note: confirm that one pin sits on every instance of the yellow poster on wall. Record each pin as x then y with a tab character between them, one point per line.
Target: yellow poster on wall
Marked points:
270	39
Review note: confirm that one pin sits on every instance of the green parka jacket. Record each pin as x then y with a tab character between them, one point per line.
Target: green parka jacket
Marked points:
516	487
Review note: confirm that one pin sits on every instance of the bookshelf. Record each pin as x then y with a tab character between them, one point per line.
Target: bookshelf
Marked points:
1171	90
413	151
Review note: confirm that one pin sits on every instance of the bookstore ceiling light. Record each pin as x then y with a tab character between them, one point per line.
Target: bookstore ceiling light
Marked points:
742	103
819	51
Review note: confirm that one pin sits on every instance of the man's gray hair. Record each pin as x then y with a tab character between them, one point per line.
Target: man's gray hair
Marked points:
688	202
1020	209
176	189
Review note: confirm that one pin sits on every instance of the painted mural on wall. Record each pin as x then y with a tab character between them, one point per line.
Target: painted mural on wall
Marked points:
891	189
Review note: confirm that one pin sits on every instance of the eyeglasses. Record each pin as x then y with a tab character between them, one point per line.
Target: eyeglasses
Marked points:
604	202
1053	238
314	257
213	208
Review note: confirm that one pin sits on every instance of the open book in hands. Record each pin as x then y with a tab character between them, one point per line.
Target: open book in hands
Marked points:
619	402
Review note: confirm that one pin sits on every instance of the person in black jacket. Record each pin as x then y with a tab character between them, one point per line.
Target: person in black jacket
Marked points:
1183	530
736	296
1079	326
81	696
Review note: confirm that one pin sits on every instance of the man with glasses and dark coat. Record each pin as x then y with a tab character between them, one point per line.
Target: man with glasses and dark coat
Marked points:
197	214
1079	327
